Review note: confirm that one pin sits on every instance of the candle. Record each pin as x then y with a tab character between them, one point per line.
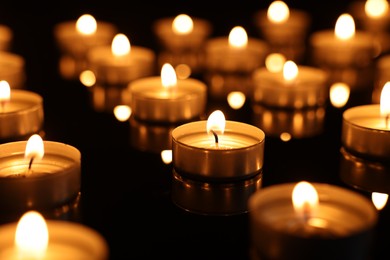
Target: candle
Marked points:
233	57
366	129
217	165
12	69
33	237
6	37
284	29
182	39
167	99
310	221
75	38
293	87
21	113
346	53
42	176
120	63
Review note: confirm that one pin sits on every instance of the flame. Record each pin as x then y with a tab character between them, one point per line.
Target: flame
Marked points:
274	62
120	45
236	99
385	100
5	91
122	112
379	200
376	8
278	12
86	24
182	24
216	122
34	148
290	70
238	37
87	78
31	236
345	27
305	199
168	76
339	94
166	156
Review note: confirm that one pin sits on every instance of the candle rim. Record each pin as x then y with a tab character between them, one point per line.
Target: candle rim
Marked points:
373	111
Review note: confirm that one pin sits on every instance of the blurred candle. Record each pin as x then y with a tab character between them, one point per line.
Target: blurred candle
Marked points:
21	113
12	69
120	63
6	37
309	220
339	94
167	99
33	237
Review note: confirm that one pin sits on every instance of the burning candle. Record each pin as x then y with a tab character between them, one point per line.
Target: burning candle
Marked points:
182	39
21	113
310	220
33	237
294	86
120	63
12	69
284	29
38	174
75	38
167	99
366	128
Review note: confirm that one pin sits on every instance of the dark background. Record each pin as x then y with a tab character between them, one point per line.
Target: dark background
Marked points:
126	192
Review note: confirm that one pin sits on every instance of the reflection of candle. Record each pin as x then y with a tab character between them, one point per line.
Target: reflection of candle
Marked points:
284	29
34	180
366	128
21	113
166	99
33	237
339	225
294	86
121	62
233	152
12	69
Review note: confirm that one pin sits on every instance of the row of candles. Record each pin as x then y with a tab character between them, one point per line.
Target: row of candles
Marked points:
200	150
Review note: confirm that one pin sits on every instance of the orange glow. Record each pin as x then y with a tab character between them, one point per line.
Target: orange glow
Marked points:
166	156
376	8
238	37
345	27
236	99
182	24
120	45
290	70
87	78
278	12
379	200
274	62
122	112
86	24
339	94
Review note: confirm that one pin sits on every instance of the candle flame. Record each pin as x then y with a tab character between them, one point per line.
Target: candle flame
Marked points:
34	148
305	199
31	236
339	94
120	45
379	200
122	112
274	62
278	12
182	24
86	24
385	100
238	37
5	91
87	78
345	27
376	8
166	156
168	76
236	99
290	70
216	122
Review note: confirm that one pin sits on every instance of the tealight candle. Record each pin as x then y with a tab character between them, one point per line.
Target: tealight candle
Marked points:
6	37
120	63
284	29
310	221
293	87
12	69
234	151
366	129
75	38
21	113
182	40
345	52
38	174
167	99
33	237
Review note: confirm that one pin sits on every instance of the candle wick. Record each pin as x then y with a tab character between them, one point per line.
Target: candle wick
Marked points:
29	170
387	118
215	137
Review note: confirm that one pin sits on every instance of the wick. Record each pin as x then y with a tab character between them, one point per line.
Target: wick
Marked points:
2	105
306	212
387	118
215	137
29	170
